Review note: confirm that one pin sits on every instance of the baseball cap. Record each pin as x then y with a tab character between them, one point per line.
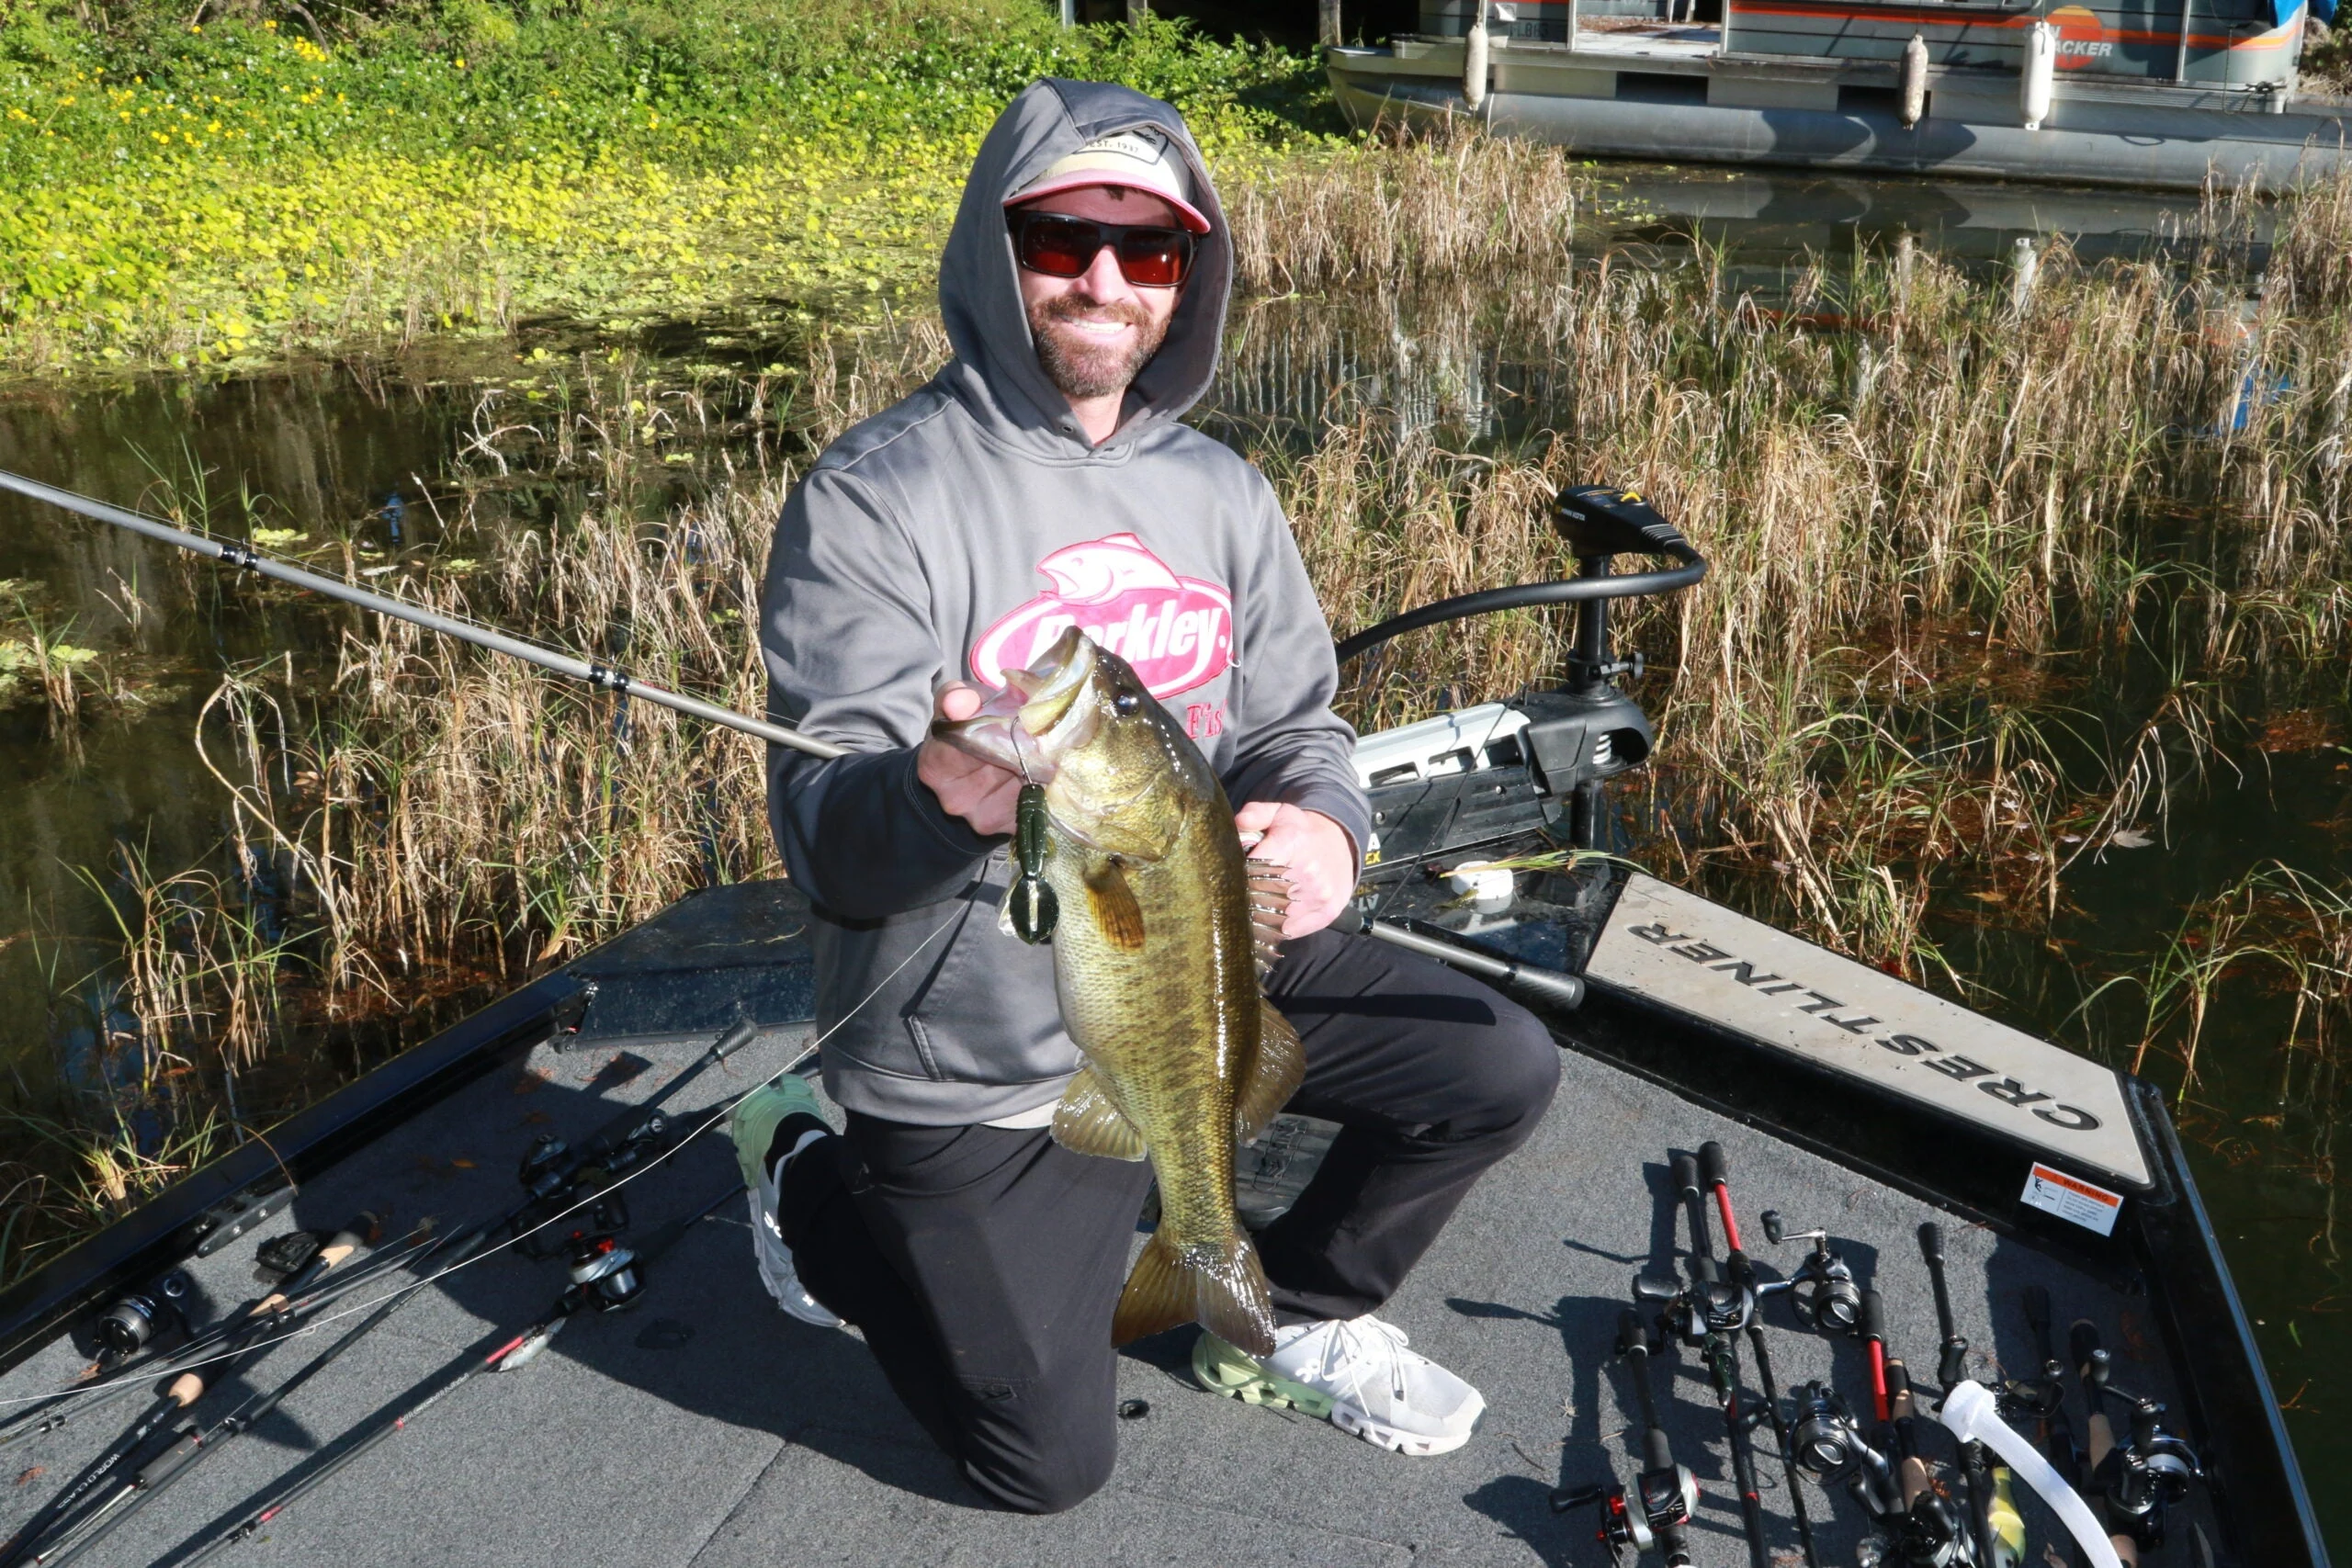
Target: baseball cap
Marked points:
1142	159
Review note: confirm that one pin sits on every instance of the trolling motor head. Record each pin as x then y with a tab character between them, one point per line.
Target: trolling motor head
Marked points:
1822	1292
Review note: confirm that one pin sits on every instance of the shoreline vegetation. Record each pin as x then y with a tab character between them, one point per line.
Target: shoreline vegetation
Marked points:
215	194
1998	572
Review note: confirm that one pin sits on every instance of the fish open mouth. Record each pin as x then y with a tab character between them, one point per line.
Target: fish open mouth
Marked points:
1009	726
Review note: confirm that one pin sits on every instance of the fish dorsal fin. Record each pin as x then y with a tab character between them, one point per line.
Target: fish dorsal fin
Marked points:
1087	1122
1273	1077
1269	907
1114	905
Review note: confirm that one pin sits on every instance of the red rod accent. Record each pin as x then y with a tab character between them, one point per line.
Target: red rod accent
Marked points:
1731	1225
1877	1380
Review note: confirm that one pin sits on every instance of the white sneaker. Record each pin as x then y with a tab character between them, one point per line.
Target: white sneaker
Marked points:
1358	1374
753	1125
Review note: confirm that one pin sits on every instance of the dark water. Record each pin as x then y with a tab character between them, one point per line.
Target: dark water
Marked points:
363	452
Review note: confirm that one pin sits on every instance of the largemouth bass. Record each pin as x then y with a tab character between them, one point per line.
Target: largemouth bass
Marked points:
1157	964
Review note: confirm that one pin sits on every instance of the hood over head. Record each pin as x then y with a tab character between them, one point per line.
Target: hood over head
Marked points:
997	373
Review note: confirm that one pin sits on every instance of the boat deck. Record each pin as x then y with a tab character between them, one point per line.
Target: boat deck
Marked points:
703	1427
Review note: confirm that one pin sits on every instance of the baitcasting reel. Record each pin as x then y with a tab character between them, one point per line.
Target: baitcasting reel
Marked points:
1658	1508
2144	1476
126	1326
1657	1517
1822	1292
1706	1306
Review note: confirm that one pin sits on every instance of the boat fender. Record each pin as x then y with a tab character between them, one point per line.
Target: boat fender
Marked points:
2036	85
1969	1410
1473	59
1914	81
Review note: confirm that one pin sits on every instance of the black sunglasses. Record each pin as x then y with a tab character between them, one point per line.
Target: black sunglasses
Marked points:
1058	246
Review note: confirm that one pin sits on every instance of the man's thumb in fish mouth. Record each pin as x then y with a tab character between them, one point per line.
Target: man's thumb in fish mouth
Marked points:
955	702
1256	817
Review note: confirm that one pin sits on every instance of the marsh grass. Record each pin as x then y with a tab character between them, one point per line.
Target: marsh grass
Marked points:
1986	566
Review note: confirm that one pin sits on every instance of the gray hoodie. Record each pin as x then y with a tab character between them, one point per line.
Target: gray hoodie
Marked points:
955	536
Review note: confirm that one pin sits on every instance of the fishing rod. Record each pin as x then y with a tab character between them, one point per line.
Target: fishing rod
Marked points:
1951	1367
603	1275
96	1393
604	677
1707	1314
1565	990
2141	1474
251	1322
1665	1492
1714	1169
552	1172
511	1355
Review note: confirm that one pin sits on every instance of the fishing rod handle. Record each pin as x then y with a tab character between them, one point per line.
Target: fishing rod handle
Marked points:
1560	989
1714	1169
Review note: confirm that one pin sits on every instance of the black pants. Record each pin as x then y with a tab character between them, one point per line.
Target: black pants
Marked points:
982	1263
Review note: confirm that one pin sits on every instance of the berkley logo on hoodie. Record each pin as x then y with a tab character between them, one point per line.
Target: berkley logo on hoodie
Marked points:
1176	631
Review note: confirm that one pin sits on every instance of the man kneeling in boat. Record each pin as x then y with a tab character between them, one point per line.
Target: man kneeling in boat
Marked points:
1041	480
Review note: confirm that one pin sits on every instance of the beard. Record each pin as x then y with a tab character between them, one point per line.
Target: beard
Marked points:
1079	367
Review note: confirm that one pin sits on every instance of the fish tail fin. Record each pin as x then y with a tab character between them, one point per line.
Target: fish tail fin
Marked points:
1224	1290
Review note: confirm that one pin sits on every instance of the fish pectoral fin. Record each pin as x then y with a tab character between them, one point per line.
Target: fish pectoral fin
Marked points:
1087	1122
1269	907
1222	1289
1114	905
1275	1072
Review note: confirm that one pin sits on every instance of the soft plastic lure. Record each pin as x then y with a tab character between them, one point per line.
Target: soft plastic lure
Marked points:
1031	907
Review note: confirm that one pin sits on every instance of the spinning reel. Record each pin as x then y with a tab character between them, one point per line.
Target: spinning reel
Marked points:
126	1326
1828	1445
604	1273
1822	1292
2144	1475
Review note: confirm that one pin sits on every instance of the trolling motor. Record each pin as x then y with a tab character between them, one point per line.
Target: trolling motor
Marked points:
2141	1477
1822	1292
1657	1517
1526	764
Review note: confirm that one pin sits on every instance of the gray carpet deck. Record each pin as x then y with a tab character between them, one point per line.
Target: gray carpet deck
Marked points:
703	1427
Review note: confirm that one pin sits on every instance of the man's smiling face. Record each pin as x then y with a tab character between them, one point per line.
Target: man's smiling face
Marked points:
1096	331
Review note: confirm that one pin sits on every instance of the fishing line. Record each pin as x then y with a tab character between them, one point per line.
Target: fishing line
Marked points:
717	1116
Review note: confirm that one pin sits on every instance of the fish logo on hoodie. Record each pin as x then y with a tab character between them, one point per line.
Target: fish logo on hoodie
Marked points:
1177	632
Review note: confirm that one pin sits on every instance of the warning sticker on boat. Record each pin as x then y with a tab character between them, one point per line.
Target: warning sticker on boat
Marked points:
2072	1199
1783	993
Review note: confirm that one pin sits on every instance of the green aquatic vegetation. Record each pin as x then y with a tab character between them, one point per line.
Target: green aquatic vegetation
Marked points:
214	195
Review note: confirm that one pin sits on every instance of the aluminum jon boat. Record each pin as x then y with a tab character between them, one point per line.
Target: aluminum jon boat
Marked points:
2167	95
1714	1068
